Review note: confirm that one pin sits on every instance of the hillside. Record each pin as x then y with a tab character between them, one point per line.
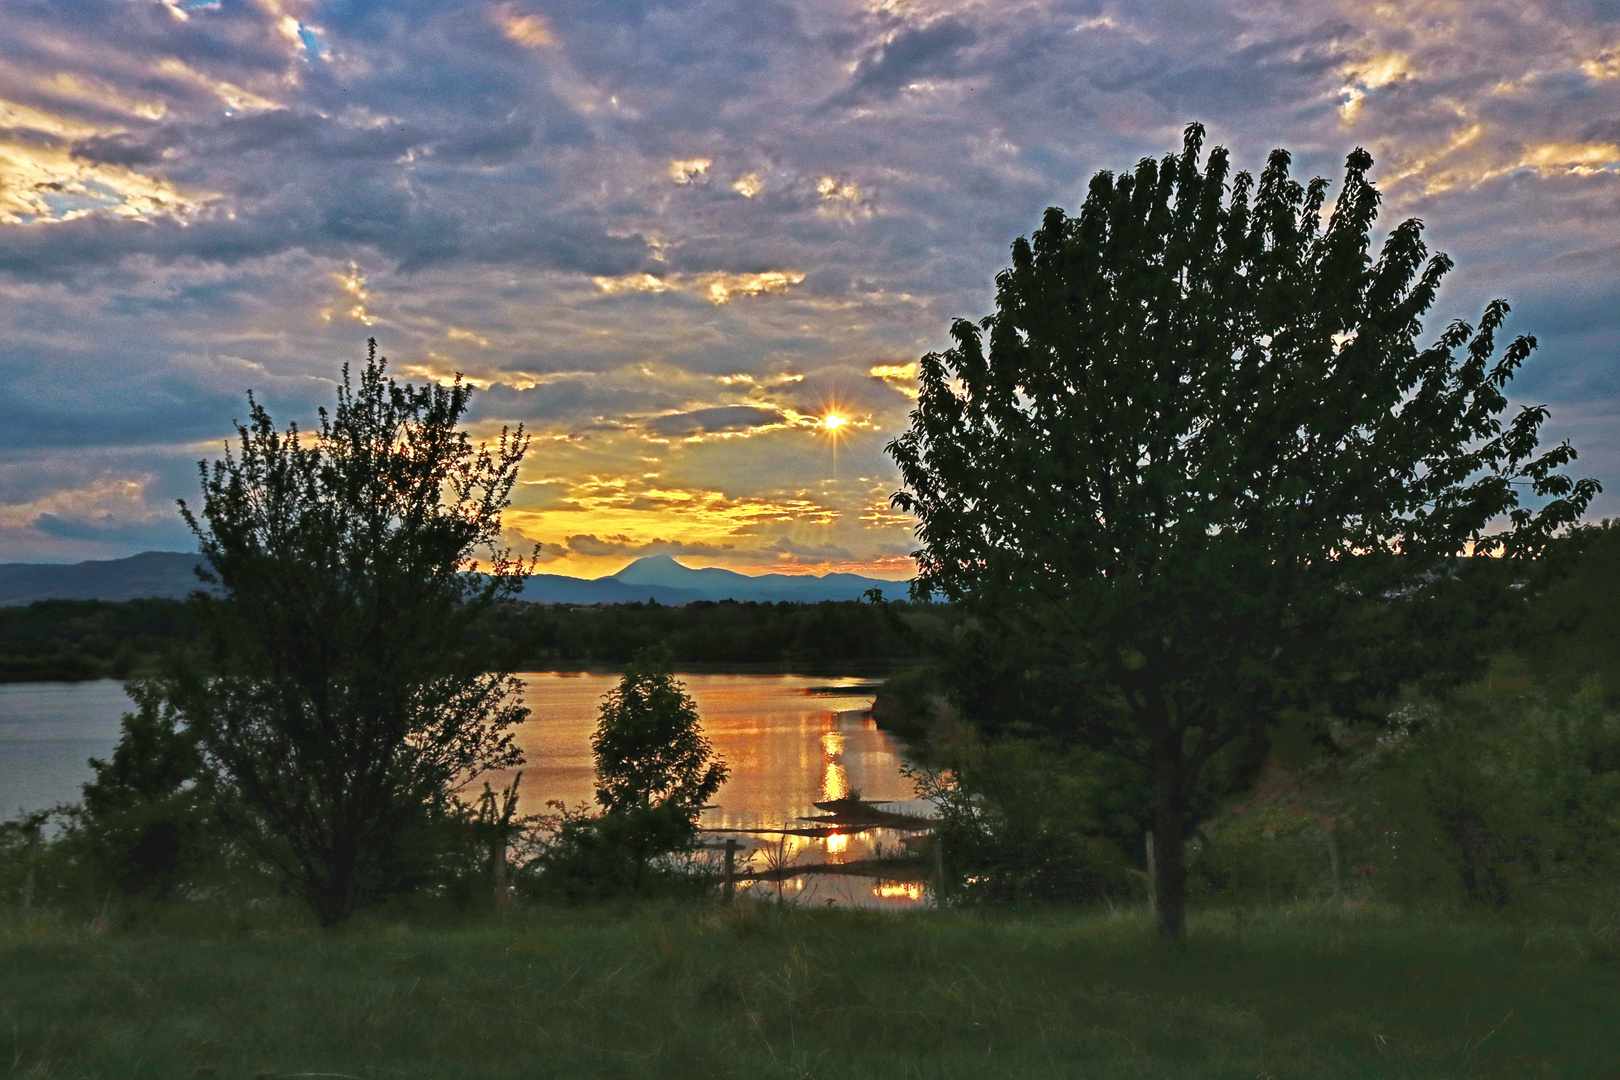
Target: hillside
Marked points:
170	575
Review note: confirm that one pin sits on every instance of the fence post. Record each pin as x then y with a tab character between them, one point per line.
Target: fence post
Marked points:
1333	857
732	845
1152	877
939	869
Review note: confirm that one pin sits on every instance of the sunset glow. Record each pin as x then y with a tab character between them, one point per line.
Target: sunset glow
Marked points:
703	271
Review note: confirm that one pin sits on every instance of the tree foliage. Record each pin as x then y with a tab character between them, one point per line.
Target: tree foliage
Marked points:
145	825
1572	632
649	743
346	699
1197	470
654	768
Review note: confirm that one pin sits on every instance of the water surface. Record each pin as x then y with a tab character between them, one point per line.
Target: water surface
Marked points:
791	741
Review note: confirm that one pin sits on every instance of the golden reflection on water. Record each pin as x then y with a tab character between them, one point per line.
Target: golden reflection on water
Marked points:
787	750
898	890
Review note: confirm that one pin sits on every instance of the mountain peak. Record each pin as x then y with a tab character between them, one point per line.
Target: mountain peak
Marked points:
654	570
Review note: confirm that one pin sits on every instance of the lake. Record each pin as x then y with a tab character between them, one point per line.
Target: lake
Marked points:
791	741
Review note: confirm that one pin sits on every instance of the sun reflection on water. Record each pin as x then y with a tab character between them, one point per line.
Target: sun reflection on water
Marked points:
834	782
788	749
898	890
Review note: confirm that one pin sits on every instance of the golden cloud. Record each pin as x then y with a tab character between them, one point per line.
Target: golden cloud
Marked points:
880	514
841	198
26	117
44	184
1605	65
717	287
1579	158
748	185
686	170
353	287
901	377
235	97
613	286
103	95
519	27
455	333
1373	71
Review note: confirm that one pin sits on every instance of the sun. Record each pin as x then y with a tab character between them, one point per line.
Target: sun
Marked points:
832	421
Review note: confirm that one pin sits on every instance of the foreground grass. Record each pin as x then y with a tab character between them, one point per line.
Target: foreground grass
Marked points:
692	991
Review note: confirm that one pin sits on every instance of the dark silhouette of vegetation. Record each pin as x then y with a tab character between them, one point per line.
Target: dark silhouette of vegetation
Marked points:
654	773
92	639
145	825
1196	472
649	745
63	640
1572	630
345	697
841	633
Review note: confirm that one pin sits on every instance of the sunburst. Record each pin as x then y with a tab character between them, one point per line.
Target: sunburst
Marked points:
835	425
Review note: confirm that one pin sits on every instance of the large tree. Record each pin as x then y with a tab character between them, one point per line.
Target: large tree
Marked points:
348	695
1197	470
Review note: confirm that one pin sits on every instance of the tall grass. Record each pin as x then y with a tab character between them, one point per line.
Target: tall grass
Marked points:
760	990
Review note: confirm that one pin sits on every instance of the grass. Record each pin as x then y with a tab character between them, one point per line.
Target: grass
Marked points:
764	992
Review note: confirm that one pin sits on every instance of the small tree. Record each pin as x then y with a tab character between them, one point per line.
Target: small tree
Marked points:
1196	471
144	821
654	768
349	697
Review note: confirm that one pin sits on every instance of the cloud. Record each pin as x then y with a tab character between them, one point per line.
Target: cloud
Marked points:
716	420
520	27
641	227
623	545
717	287
911	54
689	170
97	513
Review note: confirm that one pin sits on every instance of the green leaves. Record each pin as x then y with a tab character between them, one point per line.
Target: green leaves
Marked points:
1200	429
351	693
649	745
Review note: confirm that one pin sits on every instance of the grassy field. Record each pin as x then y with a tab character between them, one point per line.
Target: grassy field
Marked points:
695	991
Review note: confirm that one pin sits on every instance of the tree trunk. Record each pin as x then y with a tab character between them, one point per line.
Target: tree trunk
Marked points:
1169	844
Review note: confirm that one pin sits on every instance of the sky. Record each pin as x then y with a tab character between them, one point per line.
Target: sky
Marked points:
671	238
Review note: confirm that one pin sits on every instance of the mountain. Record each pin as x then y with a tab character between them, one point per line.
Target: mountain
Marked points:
661	578
656	577
151	573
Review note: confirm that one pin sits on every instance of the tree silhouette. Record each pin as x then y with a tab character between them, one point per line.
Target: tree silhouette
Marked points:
348	697
654	768
1196	470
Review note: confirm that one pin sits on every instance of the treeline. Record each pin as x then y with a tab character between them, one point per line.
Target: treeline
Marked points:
1504	790
91	639
65	640
846	633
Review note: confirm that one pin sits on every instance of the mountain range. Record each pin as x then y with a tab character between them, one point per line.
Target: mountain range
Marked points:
654	577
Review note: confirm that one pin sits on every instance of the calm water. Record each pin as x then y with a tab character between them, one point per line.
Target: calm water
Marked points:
787	747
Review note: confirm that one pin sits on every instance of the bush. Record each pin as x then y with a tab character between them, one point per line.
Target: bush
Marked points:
1017	822
1489	805
578	857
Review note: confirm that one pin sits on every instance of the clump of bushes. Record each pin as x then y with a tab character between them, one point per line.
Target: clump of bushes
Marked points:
1493	805
655	770
1017	821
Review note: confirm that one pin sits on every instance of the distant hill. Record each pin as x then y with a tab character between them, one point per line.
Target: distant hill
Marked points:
661	578
656	577
167	574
